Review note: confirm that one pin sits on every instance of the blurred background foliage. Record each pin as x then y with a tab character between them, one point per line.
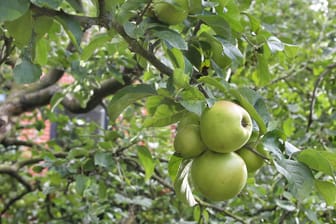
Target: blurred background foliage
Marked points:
281	53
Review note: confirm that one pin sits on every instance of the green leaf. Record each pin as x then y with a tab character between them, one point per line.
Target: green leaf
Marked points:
288	127
96	42
327	190
275	44
78	152
26	72
232	16
82	183
126	96
173	38
181	184
231	51
41	52
127	10
72	28
263	73
181	80
20	26
12	9
165	114
103	159
316	160
173	166
218	24
299	176
146	160
42	25
273	142
192	100
177	58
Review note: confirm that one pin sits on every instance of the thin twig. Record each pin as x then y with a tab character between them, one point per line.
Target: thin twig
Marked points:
218	209
12	201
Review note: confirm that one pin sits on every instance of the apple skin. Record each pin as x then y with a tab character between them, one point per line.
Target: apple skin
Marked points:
218	176
225	127
188	143
253	161
171	14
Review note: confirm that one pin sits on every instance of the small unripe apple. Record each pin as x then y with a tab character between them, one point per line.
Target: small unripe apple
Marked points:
225	127
218	176
188	143
252	160
171	12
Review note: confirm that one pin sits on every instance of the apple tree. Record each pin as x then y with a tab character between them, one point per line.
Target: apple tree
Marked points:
147	66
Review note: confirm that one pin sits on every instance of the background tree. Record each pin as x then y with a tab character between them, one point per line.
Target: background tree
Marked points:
275	58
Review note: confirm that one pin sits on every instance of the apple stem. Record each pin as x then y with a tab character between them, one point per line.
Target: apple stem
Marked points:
252	149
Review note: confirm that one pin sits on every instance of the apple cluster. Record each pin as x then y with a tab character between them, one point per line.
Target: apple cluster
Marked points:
219	143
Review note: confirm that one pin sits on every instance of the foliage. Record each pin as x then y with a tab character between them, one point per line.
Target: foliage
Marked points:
147	76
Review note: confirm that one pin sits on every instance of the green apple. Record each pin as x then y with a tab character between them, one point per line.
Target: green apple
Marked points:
188	143
171	12
218	176
225	127
252	160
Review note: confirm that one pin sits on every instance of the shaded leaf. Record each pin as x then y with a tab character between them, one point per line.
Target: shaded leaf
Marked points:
13	9
218	24
173	38
263	73
273	142
20	26
103	159
231	51
299	176
316	160
81	183
72	28
26	72
164	115
146	160
192	100
126	96
173	166
327	190
97	42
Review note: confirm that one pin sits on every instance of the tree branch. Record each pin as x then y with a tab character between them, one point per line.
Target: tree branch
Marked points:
218	209
12	201
314	95
13	173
